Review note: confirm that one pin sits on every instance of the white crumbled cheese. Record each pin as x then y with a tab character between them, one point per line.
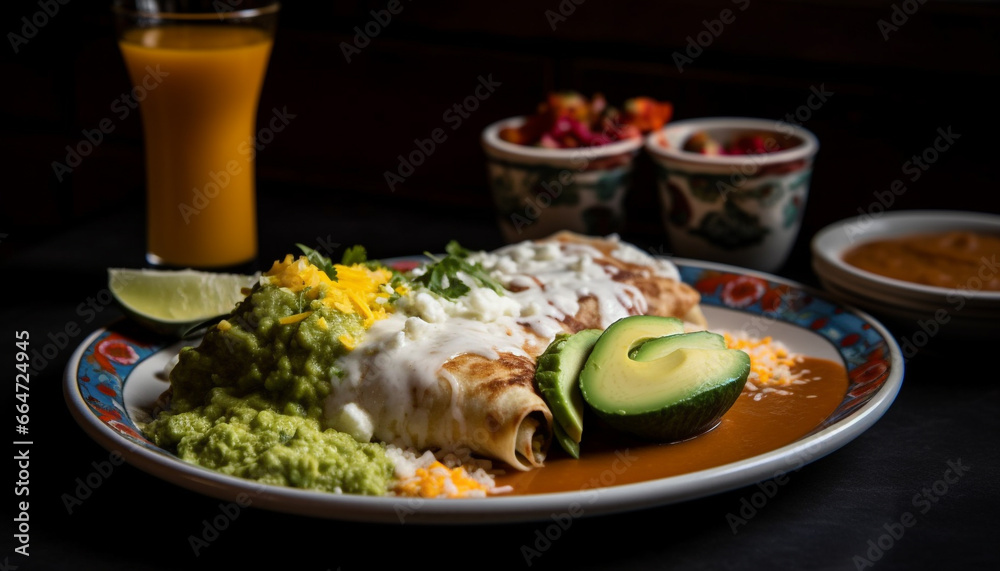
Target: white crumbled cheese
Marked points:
548	251
415	328
522	252
632	254
505	265
584	264
479	303
531	308
426	306
520	282
354	421
487	305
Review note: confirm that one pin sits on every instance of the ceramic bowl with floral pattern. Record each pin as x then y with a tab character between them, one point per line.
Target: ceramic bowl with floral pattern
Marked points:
733	189
538	191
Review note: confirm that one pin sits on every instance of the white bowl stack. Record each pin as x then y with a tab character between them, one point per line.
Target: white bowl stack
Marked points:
934	310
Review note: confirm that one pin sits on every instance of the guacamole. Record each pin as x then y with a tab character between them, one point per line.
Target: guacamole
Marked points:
246	437
248	401
252	351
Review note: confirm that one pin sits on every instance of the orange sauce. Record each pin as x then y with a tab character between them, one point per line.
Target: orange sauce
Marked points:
957	259
199	114
749	428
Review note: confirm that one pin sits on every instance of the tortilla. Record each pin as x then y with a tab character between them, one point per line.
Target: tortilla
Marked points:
666	295
486	405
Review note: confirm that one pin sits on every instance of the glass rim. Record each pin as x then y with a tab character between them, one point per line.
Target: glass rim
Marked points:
267	10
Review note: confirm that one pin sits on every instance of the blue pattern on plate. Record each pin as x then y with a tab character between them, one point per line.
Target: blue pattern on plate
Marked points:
103	369
864	350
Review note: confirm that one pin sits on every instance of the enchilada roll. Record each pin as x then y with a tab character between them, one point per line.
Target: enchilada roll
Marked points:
454	372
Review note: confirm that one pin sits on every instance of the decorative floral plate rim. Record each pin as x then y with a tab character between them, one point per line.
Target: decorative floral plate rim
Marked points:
100	367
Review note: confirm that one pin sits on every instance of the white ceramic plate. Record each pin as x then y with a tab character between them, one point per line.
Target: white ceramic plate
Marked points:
880	301
830	243
115	375
954	325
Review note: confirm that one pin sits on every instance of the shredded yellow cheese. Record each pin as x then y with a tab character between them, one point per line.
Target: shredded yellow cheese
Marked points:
439	481
771	363
765	357
294	318
357	289
348	341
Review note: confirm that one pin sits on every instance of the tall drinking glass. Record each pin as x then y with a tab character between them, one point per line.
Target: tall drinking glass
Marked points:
198	68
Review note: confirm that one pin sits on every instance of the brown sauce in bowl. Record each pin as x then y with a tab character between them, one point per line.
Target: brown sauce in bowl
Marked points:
956	259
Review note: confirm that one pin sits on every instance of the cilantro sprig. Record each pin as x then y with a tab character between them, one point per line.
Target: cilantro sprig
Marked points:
441	276
320	261
354	255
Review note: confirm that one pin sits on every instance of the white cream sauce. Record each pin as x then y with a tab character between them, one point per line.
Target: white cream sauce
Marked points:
398	364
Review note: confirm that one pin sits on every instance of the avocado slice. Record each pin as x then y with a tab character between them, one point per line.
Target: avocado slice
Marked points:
557	378
662	346
572	447
680	390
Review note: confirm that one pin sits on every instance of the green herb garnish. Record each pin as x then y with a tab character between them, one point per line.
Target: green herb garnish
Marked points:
442	277
354	255
319	260
301	301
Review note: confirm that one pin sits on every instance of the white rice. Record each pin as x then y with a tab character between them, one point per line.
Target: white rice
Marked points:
772	357
407	461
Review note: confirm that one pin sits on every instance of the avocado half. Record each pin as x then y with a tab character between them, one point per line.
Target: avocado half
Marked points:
646	377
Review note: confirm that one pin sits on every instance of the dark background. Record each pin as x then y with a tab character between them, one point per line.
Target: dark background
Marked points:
322	177
892	91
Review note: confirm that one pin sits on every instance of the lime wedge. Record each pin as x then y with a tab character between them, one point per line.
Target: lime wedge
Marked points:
172	301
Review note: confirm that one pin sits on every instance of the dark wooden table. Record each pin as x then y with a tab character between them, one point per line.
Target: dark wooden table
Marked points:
916	491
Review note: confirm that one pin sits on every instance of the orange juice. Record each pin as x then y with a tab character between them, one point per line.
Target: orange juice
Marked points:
201	207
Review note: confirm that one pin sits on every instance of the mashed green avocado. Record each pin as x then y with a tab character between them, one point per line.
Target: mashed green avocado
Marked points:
248	400
290	364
